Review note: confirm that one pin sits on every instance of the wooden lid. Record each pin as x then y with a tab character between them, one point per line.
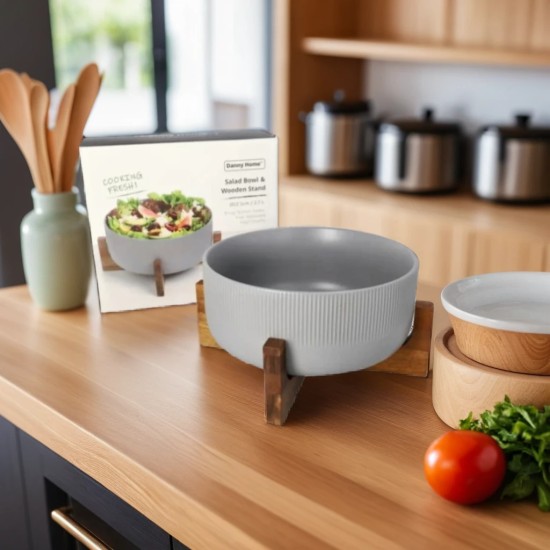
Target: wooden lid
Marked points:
461	385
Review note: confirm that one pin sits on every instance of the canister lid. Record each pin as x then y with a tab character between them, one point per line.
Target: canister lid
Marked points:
339	106
424	125
520	130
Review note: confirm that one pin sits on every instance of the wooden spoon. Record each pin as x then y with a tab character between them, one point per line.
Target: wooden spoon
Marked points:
58	134
28	82
87	88
15	114
40	104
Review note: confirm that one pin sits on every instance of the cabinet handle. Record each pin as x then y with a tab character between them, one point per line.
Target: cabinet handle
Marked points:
62	518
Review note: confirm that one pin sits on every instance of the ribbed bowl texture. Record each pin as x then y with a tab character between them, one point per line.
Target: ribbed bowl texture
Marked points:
342	300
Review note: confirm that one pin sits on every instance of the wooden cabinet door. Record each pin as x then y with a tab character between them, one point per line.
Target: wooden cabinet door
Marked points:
437	241
305	207
492	23
449	245
504	250
361	216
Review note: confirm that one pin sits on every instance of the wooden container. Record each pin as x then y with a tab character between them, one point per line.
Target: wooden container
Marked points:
502	320
523	352
461	386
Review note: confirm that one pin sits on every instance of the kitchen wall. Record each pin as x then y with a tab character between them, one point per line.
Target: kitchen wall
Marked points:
476	95
25	45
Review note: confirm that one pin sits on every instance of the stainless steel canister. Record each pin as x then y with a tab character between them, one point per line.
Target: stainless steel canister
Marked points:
339	138
512	163
419	155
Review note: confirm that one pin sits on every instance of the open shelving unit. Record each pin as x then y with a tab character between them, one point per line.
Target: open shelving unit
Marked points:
324	45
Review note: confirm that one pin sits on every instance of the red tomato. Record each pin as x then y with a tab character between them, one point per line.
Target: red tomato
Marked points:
464	466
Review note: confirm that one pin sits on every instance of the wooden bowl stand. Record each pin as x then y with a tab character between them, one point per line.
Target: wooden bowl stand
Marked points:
108	264
281	388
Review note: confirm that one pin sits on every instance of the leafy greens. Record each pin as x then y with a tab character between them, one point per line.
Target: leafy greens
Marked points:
523	433
169	215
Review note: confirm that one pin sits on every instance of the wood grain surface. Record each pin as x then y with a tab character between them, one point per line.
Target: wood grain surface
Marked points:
461	385
178	432
385	50
523	352
422	21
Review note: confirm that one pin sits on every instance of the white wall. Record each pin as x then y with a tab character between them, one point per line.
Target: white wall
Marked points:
474	95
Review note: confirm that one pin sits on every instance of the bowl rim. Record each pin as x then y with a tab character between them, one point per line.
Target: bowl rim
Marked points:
414	268
453	290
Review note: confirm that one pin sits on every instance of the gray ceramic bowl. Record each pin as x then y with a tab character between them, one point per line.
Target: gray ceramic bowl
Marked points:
139	255
343	300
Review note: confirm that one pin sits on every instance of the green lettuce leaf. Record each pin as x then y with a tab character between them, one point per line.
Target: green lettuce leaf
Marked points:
523	433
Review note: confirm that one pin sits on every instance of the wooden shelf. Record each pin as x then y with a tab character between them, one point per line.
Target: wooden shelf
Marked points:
427	53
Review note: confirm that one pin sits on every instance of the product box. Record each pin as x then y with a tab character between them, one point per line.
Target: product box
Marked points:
156	203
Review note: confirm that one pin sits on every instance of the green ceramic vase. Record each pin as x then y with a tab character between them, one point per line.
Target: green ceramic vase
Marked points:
55	245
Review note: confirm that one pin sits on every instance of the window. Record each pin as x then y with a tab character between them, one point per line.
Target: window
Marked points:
173	65
117	35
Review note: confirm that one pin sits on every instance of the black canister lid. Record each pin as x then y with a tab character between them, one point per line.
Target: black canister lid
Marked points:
521	129
425	125
338	106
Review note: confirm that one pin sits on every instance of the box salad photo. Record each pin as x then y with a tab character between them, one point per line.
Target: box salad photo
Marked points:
157	203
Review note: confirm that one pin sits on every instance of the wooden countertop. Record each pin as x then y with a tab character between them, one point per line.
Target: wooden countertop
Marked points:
178	432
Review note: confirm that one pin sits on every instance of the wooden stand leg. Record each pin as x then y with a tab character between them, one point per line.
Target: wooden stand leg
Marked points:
107	263
159	277
280	389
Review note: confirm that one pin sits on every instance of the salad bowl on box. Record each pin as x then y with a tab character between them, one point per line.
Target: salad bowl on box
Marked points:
171	228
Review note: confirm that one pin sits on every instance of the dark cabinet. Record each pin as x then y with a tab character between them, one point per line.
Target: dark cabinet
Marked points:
14	529
38	481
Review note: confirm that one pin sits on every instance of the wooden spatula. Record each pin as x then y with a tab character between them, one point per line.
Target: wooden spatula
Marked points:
58	134
15	114
28	82
87	88
40	104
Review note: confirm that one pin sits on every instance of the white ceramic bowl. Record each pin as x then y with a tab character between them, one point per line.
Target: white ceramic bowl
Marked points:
342	300
502	319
